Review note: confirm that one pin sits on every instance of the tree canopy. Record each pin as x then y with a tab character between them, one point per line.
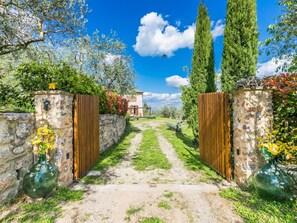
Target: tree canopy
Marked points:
25	22
240	53
202	74
283	41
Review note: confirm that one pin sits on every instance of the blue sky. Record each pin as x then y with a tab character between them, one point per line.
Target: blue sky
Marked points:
151	28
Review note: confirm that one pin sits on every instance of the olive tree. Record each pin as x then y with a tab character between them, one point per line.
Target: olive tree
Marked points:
25	22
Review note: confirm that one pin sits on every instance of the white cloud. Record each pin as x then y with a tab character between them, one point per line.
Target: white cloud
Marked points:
218	29
269	68
156	37
177	81
156	100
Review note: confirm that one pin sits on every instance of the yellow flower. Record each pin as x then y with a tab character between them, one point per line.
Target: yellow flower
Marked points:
44	140
52	86
43	131
36	140
272	148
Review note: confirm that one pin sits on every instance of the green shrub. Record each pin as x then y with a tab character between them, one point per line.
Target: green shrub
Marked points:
35	77
285	112
14	99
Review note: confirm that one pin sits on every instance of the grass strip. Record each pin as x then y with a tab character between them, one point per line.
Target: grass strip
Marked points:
44	211
149	155
183	144
255	209
112	156
152	220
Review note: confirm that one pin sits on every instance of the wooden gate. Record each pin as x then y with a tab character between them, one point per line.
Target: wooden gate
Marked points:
214	132
86	133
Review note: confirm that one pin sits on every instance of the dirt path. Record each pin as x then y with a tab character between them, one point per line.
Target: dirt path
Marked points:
175	195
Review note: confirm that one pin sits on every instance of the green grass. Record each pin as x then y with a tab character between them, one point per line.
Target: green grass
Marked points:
187	151
164	204
44	211
112	156
255	209
168	195
149	156
132	211
152	220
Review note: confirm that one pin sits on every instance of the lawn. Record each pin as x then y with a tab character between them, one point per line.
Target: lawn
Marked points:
149	155
255	209
44	211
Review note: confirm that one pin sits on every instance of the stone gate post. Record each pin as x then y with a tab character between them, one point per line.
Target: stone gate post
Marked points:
57	107
252	116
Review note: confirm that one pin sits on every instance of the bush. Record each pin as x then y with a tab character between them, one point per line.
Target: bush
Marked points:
284	111
13	99
36	77
112	103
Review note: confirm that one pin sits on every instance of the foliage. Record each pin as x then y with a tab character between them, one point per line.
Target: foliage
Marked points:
112	156
14	99
44	140
149	155
146	110
253	208
203	74
174	126
188	153
285	113
41	19
240	52
277	149
283	41
102	57
211	74
170	112
112	103
37	76
46	210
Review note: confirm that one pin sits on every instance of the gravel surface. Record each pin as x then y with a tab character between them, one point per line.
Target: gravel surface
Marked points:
175	195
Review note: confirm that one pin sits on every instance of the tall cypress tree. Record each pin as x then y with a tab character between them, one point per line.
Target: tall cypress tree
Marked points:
210	82
202	75
240	52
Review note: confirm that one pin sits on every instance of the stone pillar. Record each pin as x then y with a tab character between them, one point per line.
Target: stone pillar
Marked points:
252	116
60	118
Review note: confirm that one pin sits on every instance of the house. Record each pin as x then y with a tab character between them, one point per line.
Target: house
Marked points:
135	104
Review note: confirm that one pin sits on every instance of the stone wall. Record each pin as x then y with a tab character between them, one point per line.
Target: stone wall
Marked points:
16	131
252	115
60	117
112	128
15	152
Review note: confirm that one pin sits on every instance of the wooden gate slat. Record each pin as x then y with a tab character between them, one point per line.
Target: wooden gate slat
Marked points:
214	132
86	134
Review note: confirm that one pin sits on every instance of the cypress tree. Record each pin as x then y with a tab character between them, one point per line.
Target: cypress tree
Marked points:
210	84
202	75
240	52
